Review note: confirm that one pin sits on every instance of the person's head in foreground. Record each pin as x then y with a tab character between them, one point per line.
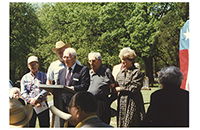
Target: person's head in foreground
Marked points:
170	77
82	105
83	108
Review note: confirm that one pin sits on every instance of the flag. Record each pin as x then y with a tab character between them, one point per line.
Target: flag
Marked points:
184	55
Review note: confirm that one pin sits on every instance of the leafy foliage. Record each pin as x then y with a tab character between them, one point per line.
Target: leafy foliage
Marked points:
151	29
25	30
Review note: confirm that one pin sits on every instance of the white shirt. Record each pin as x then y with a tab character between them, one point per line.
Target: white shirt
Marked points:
54	68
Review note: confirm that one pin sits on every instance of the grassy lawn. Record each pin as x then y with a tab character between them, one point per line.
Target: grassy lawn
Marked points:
146	97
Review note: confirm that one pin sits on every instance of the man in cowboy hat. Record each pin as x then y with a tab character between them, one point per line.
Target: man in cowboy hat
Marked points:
52	73
19	115
34	95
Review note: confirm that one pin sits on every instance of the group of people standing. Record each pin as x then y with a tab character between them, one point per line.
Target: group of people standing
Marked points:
98	81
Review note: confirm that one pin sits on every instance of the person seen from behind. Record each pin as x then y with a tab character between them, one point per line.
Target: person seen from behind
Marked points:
169	106
83	108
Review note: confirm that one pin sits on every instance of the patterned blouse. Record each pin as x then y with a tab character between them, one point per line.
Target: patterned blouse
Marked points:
130	100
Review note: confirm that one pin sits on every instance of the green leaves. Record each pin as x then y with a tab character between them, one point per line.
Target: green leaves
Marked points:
151	29
25	30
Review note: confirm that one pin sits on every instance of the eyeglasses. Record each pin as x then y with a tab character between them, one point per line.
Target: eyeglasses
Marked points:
92	61
69	108
33	64
67	57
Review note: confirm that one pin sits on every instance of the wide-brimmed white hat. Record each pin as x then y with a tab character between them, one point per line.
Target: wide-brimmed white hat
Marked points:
19	115
32	58
59	45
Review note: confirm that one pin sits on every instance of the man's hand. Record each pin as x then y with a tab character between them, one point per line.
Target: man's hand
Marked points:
48	82
38	105
70	87
32	101
35	102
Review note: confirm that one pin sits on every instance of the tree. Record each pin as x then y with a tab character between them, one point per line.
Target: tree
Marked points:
25	30
142	28
169	34
108	27
74	23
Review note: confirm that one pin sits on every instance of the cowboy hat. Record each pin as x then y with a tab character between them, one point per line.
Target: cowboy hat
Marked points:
59	45
60	114
19	115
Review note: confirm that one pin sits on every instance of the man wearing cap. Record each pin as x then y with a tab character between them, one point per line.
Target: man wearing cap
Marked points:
52	73
34	95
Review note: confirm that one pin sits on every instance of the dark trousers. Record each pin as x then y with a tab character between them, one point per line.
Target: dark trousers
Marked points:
104	110
43	117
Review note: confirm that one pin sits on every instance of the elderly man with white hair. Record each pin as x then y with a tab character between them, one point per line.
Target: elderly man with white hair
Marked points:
101	82
75	76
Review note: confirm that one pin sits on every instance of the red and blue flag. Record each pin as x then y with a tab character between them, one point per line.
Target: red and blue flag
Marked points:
184	55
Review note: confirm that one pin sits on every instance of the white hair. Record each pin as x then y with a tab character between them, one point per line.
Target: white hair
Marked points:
94	54
72	51
12	90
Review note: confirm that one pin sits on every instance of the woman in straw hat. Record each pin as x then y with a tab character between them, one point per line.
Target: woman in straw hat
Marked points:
19	115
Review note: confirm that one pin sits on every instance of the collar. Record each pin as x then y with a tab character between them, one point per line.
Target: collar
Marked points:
129	69
96	71
73	67
83	121
61	64
35	74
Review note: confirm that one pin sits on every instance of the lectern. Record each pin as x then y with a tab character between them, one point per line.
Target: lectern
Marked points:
57	91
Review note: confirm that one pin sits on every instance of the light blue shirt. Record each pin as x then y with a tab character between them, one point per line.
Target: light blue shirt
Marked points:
54	68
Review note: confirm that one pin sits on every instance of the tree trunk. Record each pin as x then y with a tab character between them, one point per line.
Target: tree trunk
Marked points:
149	69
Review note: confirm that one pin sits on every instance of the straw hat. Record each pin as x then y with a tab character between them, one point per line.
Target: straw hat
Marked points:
19	115
59	45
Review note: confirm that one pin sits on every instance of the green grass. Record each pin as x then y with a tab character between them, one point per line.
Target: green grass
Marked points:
146	97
